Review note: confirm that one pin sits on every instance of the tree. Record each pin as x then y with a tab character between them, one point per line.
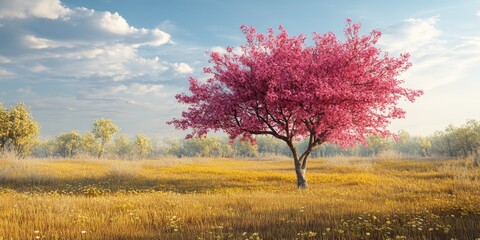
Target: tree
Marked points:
90	144
143	146
22	130
203	147
425	146
377	144
276	85
122	146
104	129
44	148
69	143
245	149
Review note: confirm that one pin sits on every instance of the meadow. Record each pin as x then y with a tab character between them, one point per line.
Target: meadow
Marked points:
201	198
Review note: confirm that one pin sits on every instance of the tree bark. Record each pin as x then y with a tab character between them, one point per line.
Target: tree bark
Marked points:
301	175
300	164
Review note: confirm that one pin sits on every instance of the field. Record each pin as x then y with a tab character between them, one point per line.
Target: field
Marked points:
238	199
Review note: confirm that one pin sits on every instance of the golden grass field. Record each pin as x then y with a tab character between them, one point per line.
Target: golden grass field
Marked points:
238	199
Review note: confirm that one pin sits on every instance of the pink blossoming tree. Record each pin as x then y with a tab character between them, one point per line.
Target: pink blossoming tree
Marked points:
336	91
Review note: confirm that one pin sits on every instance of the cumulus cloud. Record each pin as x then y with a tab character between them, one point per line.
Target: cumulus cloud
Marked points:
33	42
77	43
182	68
115	23
79	64
50	9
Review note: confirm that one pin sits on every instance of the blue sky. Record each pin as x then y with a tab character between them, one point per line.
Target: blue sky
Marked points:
75	61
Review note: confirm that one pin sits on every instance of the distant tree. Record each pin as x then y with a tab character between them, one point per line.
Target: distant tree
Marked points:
69	144
460	141
44	148
245	149
122	146
104	129
332	91
377	144
22	130
172	147
271	145
143	146
407	144
90	144
203	147
425	146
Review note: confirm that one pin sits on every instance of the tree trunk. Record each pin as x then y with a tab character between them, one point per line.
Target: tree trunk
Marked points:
476	158
102	149
301	175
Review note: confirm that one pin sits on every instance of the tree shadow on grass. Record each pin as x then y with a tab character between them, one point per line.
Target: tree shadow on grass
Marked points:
111	185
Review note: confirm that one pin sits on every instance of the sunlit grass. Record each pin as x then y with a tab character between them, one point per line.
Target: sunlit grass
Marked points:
238	199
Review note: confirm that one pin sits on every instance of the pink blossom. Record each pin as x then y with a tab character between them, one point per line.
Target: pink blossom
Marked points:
336	91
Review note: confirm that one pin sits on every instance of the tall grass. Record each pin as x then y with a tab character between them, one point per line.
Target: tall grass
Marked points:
192	198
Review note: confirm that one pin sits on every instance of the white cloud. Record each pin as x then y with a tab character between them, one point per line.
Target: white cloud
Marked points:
445	66
182	68
115	24
92	62
137	89
123	91
25	91
478	13
33	42
39	68
5	73
437	59
412	35
222	50
4	60
51	9
84	43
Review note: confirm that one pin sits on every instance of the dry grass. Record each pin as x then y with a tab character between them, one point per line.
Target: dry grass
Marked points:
238	199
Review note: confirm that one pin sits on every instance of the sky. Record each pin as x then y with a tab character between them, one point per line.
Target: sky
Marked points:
74	61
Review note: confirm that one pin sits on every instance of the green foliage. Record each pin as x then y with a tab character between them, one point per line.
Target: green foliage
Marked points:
143	146
90	144
44	148
203	147
245	149
18	129
377	144
460	141
69	144
104	129
122	147
172	147
272	146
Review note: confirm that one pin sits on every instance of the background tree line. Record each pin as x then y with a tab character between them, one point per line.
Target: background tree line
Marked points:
19	133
